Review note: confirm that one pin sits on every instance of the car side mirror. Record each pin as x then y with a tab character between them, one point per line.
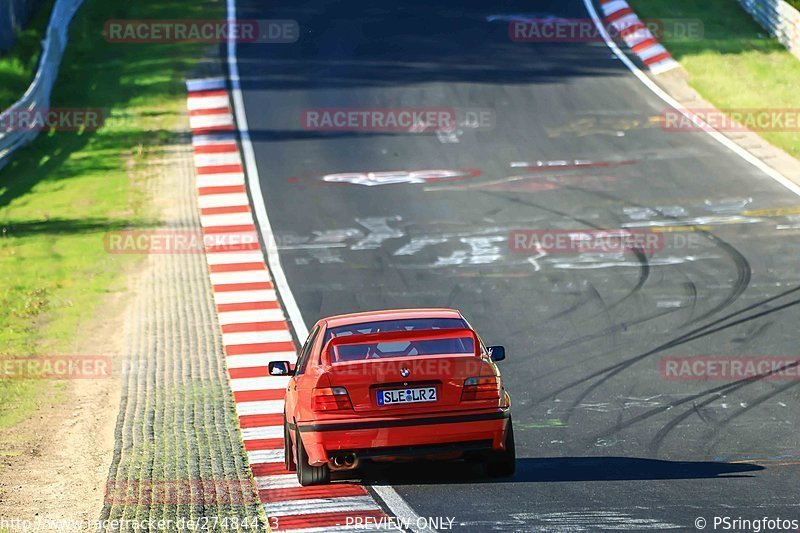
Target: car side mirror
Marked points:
280	368
497	353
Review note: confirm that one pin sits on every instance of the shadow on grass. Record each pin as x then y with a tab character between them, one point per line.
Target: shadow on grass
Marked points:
139	82
59	226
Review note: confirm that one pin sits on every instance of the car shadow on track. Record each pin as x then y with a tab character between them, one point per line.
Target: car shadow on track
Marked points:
556	469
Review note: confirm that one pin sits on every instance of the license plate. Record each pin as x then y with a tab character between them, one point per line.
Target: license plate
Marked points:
392	397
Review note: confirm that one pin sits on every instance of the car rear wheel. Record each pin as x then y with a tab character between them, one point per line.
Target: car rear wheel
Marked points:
307	474
288	456
502	464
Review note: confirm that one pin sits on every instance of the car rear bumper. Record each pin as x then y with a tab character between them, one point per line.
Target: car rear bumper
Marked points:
403	437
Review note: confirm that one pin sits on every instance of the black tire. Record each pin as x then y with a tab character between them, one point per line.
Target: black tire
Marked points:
307	474
288	455
503	464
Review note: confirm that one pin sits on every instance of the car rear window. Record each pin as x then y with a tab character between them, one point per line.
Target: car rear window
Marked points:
379	326
383	350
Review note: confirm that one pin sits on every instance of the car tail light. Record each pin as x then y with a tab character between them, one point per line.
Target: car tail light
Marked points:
481	388
330	399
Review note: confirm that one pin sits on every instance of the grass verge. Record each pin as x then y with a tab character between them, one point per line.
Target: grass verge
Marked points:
18	65
62	193
735	65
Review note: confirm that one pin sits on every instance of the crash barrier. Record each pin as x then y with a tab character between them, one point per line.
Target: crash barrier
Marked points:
779	18
37	97
14	14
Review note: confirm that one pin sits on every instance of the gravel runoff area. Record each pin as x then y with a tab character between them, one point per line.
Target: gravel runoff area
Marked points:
179	455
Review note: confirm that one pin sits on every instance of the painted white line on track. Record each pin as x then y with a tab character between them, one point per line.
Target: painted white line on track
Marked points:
248	317
616	5
321	505
264	432
205	84
390	497
233	258
267	382
658	91
222	200
242	297
270	407
278	481
242	276
265	456
256	337
214	160
258	359
219	180
210	139
207	102
210	121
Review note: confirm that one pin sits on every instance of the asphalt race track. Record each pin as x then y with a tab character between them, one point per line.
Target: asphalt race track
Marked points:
603	439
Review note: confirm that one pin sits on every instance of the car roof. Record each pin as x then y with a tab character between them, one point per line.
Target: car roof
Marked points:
390	314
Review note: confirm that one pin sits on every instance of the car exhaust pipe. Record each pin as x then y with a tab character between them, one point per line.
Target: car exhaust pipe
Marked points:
344	461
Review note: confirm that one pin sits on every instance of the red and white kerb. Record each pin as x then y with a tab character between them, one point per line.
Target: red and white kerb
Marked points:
254	327
636	35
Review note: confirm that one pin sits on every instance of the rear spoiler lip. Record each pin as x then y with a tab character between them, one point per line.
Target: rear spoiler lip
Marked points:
391	336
